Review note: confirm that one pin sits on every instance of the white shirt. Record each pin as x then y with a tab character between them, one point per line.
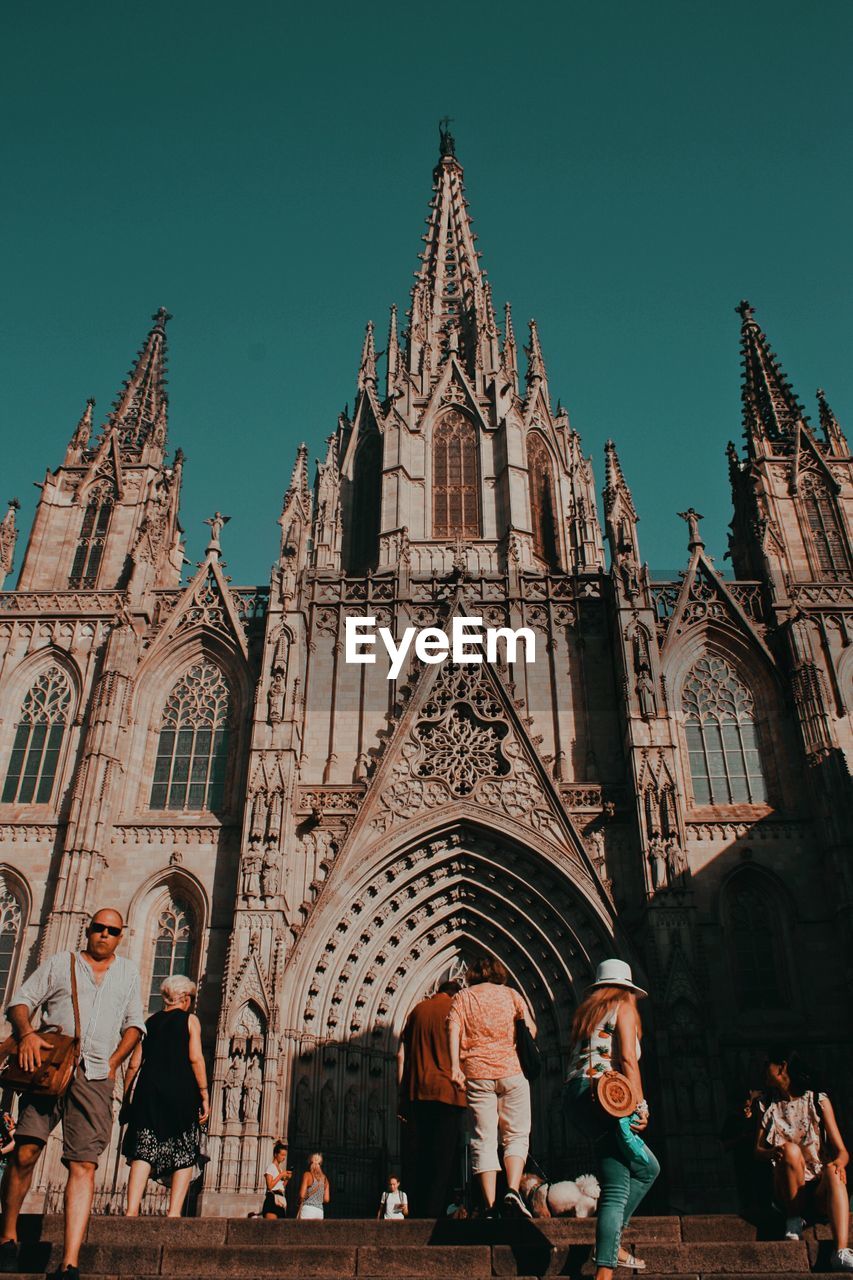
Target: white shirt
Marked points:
277	1193
392	1204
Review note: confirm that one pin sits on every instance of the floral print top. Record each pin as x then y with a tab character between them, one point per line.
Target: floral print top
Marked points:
593	1057
797	1120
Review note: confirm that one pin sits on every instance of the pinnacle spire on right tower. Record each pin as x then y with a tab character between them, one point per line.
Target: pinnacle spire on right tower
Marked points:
771	411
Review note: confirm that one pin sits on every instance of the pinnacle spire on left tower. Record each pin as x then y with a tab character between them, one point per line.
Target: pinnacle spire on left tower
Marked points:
107	518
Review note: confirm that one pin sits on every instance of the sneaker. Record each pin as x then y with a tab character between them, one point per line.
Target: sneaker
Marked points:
842	1260
514	1206
794	1228
8	1256
65	1273
492	1213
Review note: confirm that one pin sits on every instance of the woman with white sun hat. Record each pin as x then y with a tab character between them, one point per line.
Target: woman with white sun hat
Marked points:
606	1034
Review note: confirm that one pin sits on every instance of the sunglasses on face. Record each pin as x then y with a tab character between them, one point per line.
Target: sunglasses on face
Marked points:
114	930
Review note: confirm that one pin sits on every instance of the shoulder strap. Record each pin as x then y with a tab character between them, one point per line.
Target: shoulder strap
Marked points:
74	1000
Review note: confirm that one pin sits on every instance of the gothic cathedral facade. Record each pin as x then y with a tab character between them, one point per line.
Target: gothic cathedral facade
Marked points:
318	844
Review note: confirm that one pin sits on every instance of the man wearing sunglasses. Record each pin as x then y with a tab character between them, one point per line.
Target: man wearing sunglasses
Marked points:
111	1025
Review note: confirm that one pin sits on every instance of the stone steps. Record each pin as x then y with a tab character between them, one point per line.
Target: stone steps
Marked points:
699	1247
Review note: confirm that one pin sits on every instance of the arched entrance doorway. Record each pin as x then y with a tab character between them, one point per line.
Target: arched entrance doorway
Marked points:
451	896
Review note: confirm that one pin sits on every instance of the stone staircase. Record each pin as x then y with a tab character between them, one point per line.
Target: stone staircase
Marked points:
699	1247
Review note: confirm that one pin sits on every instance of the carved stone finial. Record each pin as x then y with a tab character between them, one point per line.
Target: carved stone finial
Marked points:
692	517
217	521
745	310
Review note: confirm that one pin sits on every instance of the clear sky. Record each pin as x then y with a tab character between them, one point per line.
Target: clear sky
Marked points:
264	169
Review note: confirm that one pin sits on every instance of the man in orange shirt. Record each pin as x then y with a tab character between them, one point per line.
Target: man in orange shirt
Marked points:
432	1107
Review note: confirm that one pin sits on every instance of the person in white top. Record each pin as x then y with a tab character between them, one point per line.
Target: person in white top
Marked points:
394	1203
276	1177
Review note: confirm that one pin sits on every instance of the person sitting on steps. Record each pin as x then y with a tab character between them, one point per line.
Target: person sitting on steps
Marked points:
799	1135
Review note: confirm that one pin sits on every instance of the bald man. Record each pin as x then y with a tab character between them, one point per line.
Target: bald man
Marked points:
111	1025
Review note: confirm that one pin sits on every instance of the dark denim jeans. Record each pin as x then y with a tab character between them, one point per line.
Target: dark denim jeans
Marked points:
627	1168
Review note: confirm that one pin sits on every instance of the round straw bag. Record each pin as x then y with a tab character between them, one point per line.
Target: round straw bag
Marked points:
614	1094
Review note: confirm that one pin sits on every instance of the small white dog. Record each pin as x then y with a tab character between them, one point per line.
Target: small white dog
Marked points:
559	1199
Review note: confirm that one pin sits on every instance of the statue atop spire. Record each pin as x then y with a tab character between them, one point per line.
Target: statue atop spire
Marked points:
692	519
446	140
217	522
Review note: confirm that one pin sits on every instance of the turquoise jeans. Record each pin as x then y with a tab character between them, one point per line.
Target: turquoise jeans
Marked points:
627	1168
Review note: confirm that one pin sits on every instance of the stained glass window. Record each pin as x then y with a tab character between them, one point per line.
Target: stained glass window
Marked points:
10	936
542	506
455	479
192	753
827	540
722	736
174	948
38	740
93	536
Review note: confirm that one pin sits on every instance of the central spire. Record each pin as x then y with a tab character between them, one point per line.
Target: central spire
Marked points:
450	305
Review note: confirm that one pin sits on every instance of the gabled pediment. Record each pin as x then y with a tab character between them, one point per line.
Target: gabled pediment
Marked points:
106	464
808	457
453	390
206	604
460	747
706	597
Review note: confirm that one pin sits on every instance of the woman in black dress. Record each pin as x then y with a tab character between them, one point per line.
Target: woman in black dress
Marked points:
166	1110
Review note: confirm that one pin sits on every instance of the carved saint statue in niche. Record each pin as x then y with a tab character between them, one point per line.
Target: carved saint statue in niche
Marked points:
658	863
252	863
252	1086
270	873
232	1089
374	1121
302	1107
275	698
351	1117
328	1114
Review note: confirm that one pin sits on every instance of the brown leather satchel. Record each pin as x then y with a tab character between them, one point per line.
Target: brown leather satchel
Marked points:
58	1062
614	1094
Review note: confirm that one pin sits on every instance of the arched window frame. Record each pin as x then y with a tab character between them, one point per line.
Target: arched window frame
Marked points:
542	490
456	505
755	916
92	540
47	704
727	741
175	920
823	531
180	725
15	907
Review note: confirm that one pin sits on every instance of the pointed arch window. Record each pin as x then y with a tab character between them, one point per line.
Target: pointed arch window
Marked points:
174	947
540	478
93	537
11	931
722	736
192	752
366	512
824	533
755	927
39	733
455	479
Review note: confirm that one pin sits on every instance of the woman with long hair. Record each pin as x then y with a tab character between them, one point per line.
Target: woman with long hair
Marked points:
484	1062
799	1135
314	1190
606	1034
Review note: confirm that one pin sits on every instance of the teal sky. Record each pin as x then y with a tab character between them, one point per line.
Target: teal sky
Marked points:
264	169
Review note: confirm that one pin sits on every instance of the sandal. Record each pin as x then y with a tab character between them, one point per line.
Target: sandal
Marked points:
636	1264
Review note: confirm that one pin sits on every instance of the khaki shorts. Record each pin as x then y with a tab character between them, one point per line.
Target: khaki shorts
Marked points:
500	1109
86	1113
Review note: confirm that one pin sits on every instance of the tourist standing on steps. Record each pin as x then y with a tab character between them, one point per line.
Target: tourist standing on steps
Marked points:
481	1030
276	1178
799	1135
431	1106
314	1190
166	1100
394	1204
111	1024
606	1035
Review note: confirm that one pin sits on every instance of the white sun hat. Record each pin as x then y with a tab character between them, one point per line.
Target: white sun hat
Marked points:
616	973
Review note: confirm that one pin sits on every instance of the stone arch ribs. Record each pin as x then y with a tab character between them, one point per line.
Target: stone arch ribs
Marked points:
367	960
